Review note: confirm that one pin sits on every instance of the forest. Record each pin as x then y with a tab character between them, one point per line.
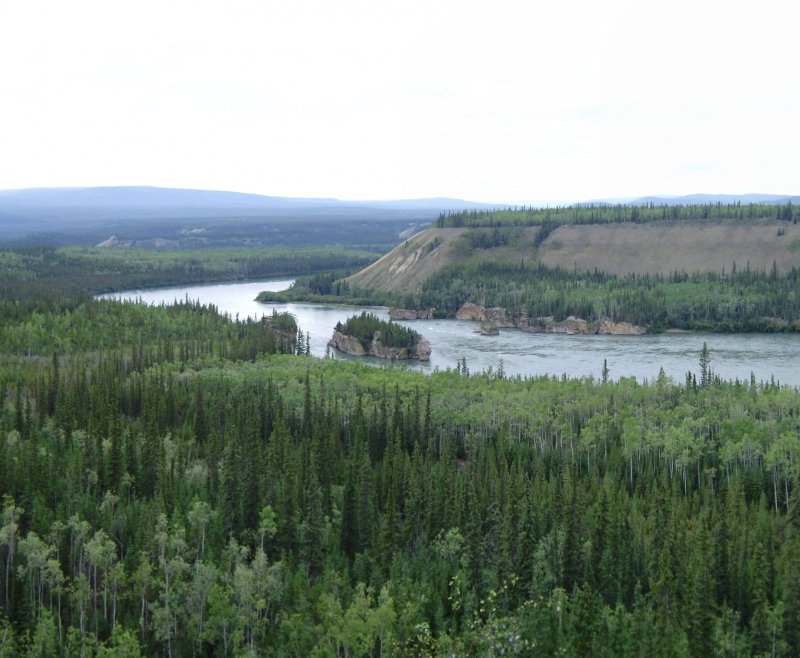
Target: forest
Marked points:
179	483
34	272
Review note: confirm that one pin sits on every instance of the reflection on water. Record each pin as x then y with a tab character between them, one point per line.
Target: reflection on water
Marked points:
518	353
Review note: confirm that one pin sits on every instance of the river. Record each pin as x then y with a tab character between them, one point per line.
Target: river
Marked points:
733	356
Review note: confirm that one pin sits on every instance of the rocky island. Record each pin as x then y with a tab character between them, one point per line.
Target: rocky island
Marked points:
368	335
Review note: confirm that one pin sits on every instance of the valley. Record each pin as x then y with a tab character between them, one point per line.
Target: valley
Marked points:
194	475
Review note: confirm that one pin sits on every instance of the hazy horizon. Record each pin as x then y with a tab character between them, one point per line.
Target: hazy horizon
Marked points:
513	104
422	200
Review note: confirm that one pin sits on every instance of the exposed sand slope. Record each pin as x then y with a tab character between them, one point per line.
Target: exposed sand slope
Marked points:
409	264
614	248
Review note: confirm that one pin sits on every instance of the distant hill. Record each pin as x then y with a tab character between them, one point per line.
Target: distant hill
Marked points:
137	215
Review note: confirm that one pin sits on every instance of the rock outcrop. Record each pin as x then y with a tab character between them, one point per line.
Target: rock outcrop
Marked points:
474	312
479	313
619	328
571	325
347	344
488	330
410	314
548	325
351	345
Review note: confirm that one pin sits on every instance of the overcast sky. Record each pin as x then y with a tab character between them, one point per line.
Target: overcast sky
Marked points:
520	101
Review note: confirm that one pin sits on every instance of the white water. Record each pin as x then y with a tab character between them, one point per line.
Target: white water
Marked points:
518	353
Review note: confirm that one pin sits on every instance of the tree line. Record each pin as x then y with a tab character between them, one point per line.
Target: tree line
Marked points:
616	213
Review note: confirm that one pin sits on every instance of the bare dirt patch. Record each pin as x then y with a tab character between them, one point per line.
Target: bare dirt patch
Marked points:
639	248
408	265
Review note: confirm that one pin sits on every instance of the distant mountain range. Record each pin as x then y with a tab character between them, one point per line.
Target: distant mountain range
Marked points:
157	202
182	217
171	202
690	199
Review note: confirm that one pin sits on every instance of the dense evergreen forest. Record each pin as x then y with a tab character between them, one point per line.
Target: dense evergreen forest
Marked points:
178	483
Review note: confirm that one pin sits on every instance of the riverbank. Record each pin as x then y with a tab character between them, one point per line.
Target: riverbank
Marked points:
517	353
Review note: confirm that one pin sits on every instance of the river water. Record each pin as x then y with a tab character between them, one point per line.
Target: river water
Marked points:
733	356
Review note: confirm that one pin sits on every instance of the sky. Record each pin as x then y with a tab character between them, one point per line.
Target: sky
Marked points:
501	101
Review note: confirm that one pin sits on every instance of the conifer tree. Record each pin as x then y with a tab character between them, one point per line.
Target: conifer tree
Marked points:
705	368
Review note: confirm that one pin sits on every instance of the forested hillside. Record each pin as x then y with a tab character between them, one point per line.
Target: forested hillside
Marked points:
178	483
711	267
66	272
742	300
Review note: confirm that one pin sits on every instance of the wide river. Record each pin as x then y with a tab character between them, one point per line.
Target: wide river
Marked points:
518	353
